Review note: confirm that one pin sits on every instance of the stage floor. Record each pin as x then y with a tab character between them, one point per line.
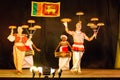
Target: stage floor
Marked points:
86	73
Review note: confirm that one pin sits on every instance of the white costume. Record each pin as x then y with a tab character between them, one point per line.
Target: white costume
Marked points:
64	61
78	46
78	49
28	60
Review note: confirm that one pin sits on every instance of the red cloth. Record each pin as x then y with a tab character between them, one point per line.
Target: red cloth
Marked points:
23	40
27	48
78	49
65	49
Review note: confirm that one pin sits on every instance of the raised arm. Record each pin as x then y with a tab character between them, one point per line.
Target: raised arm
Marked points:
67	30
90	38
66	27
12	30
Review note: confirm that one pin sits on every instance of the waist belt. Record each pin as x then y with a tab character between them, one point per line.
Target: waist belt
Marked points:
78	43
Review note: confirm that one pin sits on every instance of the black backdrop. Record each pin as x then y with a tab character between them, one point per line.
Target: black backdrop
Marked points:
100	53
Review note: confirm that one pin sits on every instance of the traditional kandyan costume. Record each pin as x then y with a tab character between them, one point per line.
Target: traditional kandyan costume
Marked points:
28	60
64	61
19	50
78	49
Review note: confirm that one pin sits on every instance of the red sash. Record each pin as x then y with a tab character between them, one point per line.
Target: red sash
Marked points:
76	48
65	49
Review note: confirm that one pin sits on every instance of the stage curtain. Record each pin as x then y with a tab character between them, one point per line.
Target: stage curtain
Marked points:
117	62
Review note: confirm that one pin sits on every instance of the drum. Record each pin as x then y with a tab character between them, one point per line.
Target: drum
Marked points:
29	53
63	54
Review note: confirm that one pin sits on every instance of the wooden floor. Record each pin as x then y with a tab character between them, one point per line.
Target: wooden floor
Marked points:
86	73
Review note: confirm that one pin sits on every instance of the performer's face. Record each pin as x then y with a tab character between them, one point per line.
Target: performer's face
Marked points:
20	30
78	26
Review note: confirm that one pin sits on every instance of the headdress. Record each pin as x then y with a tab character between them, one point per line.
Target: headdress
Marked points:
63	36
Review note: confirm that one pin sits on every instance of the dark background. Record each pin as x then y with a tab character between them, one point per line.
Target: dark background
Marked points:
100	53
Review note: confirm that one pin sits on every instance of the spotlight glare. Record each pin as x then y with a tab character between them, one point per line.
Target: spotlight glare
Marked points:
34	68
40	70
52	70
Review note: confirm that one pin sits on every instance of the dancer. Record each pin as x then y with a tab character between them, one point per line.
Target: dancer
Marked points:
63	47
78	46
28	60
19	48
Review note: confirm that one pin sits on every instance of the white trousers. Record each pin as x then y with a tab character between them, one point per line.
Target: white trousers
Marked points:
28	62
77	56
64	63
